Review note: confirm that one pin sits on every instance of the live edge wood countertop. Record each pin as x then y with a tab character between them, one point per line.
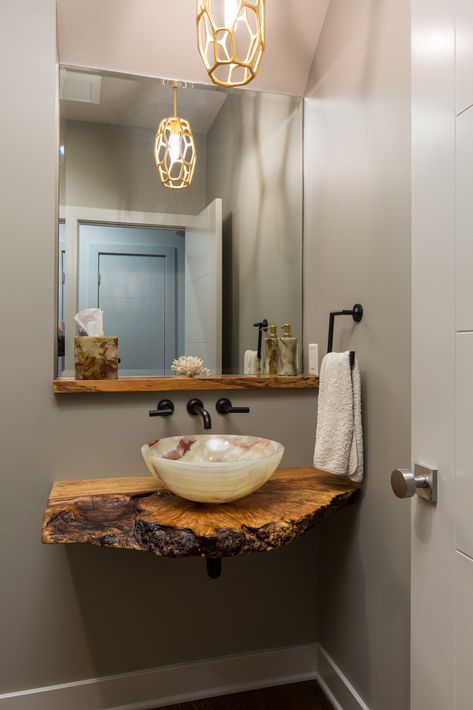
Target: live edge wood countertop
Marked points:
137	513
68	385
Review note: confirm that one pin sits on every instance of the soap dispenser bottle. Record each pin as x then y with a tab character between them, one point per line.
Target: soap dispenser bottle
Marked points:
288	352
271	351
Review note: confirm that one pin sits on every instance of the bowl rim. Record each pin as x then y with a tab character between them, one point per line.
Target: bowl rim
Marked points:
181	462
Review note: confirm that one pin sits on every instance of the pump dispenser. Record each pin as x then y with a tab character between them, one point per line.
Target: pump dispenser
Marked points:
288	354
271	351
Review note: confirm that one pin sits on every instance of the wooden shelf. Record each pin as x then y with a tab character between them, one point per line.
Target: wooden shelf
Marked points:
139	514
68	385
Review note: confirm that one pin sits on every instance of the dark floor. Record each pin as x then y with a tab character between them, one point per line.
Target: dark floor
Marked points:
300	696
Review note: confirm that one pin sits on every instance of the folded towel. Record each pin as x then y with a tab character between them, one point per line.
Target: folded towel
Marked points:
252	366
339	437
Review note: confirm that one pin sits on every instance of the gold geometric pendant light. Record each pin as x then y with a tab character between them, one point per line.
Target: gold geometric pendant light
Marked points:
175	152
231	38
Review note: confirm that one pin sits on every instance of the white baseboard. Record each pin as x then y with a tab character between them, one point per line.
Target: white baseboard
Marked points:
169	685
336	685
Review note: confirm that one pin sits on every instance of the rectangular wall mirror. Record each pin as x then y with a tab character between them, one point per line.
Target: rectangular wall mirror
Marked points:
177	271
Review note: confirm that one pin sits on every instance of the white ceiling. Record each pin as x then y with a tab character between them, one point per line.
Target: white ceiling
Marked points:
158	38
133	101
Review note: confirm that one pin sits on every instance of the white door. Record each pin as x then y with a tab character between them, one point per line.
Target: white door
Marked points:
203	278
442	372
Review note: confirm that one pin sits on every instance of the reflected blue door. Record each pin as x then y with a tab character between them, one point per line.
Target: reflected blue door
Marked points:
131	292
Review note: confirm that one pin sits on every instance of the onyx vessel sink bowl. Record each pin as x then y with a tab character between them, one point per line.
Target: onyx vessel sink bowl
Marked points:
212	468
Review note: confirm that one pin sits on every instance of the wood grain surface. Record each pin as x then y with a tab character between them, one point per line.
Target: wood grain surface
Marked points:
66	385
297	696
139	514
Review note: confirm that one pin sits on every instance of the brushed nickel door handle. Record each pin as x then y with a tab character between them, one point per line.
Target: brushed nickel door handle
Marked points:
423	482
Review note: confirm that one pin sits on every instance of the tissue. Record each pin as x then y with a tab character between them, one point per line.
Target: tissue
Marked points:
90	321
251	366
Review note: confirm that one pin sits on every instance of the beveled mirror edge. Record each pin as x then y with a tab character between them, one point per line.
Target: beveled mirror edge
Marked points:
65	385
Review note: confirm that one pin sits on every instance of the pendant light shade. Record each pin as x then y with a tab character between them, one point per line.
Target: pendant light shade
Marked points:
231	37
175	151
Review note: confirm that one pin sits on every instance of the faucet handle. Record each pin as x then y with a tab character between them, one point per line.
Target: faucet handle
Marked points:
224	406
165	408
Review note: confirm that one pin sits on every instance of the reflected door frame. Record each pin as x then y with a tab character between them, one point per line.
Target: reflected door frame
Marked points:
168	254
74	216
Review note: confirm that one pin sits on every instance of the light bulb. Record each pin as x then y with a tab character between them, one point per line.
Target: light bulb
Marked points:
174	147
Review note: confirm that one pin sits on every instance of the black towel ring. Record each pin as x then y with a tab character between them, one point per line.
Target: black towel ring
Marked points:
356	313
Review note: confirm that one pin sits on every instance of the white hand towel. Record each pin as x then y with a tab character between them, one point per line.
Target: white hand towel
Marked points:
339	436
251	365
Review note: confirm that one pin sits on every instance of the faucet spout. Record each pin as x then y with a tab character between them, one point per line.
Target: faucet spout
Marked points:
207	420
195	407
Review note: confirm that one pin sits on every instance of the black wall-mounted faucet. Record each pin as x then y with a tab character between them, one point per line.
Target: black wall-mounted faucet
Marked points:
196	407
224	406
165	408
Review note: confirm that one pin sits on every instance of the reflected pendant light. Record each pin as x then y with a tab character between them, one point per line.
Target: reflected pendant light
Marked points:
231	38
174	150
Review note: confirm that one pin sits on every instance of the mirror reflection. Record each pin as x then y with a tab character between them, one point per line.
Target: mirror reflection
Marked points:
177	271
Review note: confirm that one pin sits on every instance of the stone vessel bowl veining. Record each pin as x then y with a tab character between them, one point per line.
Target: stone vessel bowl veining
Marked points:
212	468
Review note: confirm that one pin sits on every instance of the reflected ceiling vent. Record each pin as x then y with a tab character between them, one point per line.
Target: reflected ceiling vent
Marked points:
80	86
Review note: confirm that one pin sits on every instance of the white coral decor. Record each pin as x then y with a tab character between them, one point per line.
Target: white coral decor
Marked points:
189	366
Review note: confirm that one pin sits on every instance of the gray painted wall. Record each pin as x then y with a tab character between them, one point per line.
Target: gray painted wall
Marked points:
71	613
112	167
357	248
254	163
